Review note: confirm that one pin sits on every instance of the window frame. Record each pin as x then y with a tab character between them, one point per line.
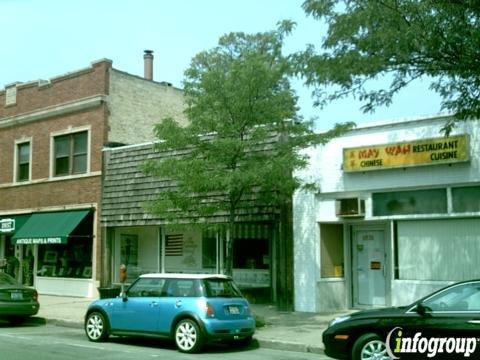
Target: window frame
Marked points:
71	132
16	161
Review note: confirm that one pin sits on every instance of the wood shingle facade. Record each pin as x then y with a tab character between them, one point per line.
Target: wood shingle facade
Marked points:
260	254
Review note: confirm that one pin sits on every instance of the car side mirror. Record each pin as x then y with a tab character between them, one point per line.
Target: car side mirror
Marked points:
422	309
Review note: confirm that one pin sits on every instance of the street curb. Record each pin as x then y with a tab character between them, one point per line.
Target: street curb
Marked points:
65	323
289	346
57	322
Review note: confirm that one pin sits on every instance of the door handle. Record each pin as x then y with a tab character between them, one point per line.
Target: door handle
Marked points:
154	304
477	322
178	303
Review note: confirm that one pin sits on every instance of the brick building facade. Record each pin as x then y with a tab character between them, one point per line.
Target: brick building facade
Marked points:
51	138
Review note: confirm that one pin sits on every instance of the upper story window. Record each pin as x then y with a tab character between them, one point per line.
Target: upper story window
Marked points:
23	162
70	154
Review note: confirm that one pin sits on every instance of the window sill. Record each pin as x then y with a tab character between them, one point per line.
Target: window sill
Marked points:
76	176
332	279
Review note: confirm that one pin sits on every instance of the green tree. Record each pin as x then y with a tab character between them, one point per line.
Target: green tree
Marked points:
407	39
241	145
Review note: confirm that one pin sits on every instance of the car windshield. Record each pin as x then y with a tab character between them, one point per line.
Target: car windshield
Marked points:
221	288
7	279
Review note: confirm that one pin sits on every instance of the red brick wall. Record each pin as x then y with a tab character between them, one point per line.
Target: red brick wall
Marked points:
48	194
64	89
42	192
40	131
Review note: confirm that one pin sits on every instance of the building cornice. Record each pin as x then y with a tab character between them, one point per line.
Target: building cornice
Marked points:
51	111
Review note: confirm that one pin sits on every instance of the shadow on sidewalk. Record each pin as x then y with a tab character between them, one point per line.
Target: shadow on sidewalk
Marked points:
152	342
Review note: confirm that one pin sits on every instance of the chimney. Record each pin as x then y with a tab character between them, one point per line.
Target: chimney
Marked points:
148	64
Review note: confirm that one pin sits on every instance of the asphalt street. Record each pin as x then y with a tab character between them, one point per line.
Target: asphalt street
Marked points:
48	342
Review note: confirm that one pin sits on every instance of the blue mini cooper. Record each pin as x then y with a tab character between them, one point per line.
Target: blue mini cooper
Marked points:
190	309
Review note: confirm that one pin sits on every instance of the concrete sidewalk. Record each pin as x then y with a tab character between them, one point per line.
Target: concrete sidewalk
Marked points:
292	331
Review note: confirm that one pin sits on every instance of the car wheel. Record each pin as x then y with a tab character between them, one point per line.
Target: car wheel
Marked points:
96	327
369	347
188	336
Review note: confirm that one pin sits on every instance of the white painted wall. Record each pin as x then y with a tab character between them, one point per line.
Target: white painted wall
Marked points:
306	252
325	170
66	287
191	261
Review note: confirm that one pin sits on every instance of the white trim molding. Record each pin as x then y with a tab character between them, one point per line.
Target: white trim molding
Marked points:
48	180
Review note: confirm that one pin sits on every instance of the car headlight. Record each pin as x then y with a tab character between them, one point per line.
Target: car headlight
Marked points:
339	320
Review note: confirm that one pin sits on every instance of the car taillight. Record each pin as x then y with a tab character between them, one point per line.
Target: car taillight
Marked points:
209	310
35	295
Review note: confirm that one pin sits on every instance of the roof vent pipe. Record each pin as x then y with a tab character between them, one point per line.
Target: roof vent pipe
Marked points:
148	64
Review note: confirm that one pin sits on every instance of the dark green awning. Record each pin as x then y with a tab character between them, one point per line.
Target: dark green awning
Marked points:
11	224
49	228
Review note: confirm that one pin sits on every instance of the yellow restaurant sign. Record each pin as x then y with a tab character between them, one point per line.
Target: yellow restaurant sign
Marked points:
444	150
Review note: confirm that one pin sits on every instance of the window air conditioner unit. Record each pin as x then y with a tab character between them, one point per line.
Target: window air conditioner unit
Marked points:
352	207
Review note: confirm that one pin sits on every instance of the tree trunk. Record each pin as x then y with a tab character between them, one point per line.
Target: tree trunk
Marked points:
229	244
284	258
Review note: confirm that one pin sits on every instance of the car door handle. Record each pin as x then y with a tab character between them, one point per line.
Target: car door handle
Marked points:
474	322
178	303
154	304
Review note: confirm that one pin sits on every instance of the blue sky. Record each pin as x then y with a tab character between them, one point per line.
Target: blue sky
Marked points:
45	38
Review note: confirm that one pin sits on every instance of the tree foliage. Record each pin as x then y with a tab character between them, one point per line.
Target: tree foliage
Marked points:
243	137
408	39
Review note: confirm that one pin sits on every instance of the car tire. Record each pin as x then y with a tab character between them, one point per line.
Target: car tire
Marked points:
369	346
96	327
188	336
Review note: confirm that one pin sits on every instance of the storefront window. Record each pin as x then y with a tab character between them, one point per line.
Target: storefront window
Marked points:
209	251
443	250
466	199
251	254
432	201
138	249
331	250
70	260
